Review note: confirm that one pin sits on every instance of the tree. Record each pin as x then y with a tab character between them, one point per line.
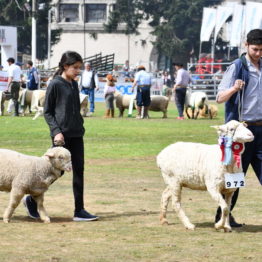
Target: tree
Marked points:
176	24
18	13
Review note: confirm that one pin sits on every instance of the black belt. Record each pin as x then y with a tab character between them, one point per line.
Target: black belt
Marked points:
15	82
143	86
257	123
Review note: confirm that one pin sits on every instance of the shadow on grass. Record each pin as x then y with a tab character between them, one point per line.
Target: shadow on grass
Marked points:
31	220
110	215
249	228
244	228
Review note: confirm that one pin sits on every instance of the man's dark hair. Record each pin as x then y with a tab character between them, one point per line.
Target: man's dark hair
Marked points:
254	37
178	64
141	68
11	60
30	63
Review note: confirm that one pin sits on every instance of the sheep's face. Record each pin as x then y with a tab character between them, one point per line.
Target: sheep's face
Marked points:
60	158
238	131
243	134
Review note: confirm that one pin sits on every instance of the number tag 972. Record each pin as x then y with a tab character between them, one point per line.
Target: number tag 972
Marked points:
234	180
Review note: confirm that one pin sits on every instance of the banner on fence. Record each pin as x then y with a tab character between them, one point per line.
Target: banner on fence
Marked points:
3	80
125	88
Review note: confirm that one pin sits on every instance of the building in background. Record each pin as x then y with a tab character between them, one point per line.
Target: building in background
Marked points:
80	19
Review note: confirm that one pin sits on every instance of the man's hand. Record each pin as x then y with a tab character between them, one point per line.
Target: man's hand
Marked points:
239	84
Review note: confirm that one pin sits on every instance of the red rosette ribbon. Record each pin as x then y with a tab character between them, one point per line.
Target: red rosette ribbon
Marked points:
237	149
221	143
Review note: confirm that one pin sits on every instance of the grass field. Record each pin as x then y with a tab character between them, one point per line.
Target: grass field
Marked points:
123	186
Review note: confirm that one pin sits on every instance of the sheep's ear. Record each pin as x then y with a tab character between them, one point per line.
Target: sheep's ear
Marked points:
216	127
50	154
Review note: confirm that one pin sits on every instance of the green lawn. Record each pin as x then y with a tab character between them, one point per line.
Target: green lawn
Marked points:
123	186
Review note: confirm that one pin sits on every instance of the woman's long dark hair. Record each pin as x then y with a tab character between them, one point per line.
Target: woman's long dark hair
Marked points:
68	58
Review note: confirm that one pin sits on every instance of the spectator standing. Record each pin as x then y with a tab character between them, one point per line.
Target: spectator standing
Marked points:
109	91
14	78
62	114
32	76
240	89
167	83
181	83
89	84
143	83
126	68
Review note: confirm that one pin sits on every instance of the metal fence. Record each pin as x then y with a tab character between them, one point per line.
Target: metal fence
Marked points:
201	82
207	83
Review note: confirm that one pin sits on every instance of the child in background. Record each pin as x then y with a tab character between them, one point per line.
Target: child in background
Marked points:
109	91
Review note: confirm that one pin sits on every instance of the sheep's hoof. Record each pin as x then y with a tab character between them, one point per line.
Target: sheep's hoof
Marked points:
46	220
227	229
191	227
218	226
6	220
164	222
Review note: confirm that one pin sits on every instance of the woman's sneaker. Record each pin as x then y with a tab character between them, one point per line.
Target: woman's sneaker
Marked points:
83	215
31	207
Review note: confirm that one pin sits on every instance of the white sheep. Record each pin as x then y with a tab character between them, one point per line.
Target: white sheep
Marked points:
195	101
38	100
158	104
23	174
2	102
83	104
199	167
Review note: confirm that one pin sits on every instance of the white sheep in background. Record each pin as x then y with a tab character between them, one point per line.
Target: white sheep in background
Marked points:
22	174
199	167
195	101
158	104
83	104
2	102
39	99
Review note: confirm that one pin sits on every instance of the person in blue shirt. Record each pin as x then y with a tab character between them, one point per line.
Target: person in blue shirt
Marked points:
143	83
240	89
32	76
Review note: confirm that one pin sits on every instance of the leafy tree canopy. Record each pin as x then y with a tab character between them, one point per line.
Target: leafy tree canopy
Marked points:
18	13
176	23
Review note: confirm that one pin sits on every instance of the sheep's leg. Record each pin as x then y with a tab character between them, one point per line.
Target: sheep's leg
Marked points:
197	113
166	195
121	112
165	114
193	113
210	114
15	198
40	207
228	198
217	196
176	203
188	113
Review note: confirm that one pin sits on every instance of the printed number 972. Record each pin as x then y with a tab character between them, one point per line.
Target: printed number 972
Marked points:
235	184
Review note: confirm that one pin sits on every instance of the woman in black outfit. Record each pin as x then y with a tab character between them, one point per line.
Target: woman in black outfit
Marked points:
62	114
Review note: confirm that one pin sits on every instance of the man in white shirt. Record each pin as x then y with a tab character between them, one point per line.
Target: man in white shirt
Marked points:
89	84
182	80
14	78
143	99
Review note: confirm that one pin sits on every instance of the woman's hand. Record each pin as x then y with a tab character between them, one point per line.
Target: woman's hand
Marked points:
59	139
